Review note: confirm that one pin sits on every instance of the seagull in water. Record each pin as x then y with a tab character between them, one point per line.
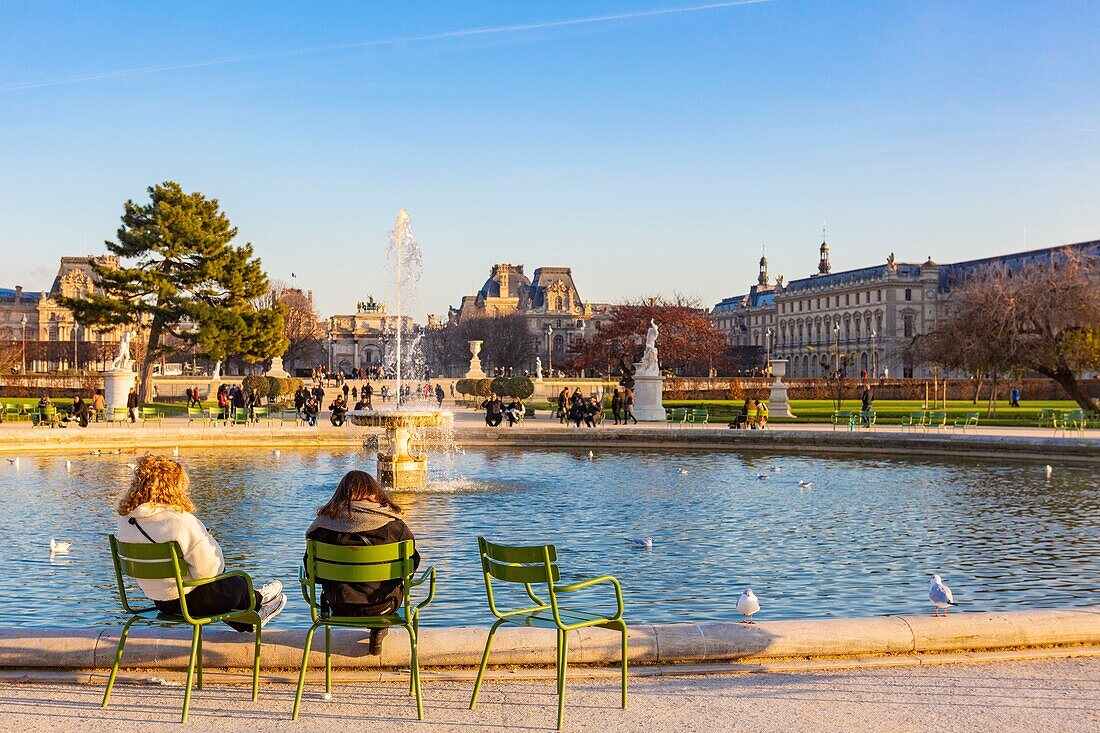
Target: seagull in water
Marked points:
57	548
806	484
646	542
132	467
1050	471
682	471
776	469
68	465
747	605
762	477
276	453
591	456
940	595
176	451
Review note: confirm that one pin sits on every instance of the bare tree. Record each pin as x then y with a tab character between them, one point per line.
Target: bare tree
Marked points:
1041	317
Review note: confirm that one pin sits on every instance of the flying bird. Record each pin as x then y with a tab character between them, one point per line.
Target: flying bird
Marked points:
646	542
59	547
940	595
747	605
14	462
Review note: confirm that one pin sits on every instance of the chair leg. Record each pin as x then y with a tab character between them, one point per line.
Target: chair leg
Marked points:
195	641
256	663
625	656
118	660
198	660
302	672
484	660
563	664
328	660
414	672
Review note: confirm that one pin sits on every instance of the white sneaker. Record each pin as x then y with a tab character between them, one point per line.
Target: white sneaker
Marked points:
269	611
269	592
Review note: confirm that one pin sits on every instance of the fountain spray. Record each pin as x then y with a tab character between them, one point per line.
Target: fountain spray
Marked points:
404	260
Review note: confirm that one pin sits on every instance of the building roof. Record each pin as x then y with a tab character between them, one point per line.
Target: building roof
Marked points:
7	295
517	281
955	272
905	269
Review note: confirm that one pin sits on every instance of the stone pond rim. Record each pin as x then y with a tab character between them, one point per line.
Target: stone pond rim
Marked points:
650	644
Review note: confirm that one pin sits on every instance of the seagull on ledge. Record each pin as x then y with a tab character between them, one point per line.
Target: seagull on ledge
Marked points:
940	595
747	605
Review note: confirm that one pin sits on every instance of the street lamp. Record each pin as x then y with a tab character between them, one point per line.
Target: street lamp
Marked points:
23	323
329	352
836	330
874	355
768	347
583	326
75	364
550	348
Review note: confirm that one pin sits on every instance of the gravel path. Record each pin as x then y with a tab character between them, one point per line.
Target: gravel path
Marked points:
1056	695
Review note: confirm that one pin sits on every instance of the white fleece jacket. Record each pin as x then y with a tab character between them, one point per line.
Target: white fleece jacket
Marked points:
201	551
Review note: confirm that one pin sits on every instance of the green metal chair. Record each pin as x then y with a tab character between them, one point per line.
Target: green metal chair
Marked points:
842	417
970	420
119	415
240	416
196	413
537	565
699	416
867	419
164	561
150	414
937	419
915	420
362	564
45	417
676	415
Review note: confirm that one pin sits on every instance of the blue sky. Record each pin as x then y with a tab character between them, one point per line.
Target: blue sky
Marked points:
650	153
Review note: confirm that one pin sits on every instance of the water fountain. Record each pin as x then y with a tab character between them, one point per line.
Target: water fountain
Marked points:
402	461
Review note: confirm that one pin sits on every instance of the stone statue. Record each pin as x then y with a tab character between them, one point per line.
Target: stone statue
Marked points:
649	365
538	369
778	282
891	264
122	362
217	373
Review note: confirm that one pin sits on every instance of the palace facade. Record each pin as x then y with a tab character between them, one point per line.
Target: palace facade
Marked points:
52	338
870	315
549	301
364	339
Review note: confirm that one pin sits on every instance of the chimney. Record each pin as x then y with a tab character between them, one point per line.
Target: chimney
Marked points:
18	293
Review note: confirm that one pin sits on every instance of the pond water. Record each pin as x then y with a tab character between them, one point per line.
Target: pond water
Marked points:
862	541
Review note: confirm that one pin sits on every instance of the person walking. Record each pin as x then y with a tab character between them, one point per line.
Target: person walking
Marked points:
628	407
99	405
867	401
563	398
616	405
132	404
345	389
1014	400
439	395
368	392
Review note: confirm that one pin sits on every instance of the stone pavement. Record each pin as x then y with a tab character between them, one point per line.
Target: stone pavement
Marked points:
1055	695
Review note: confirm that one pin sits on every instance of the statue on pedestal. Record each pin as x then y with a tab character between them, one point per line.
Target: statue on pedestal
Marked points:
649	365
216	375
121	363
538	369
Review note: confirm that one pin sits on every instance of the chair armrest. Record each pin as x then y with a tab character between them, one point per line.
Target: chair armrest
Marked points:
596	581
223	576
428	575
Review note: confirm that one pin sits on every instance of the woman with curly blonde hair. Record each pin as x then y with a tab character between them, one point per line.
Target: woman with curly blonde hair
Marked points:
157	508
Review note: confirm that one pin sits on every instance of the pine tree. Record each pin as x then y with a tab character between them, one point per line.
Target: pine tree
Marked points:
181	277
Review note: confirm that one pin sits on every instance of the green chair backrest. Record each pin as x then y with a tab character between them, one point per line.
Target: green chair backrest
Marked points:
240	416
529	565
260	411
148	561
193	412
120	412
49	411
356	564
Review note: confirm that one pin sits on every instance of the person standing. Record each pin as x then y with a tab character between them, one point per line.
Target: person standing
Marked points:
99	405
132	404
628	407
616	405
368	392
563	398
439	395
1014	400
345	389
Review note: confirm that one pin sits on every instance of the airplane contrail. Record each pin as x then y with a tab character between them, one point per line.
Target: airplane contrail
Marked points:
462	33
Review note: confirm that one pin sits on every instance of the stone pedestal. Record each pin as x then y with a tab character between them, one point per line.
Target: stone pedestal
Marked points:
116	387
399	468
648	396
475	362
277	369
778	406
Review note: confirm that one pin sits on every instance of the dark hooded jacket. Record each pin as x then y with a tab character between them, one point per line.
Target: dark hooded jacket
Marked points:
369	524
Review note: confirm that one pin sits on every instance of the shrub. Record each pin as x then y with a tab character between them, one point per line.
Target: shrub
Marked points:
501	386
274	388
483	387
463	387
254	382
289	385
522	387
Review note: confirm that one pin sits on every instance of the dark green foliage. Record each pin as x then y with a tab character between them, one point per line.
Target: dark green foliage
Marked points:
521	387
181	277
254	382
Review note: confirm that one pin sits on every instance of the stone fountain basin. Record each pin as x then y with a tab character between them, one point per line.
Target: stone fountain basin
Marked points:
400	418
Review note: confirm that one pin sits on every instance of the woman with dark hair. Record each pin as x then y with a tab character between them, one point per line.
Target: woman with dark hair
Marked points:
361	513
